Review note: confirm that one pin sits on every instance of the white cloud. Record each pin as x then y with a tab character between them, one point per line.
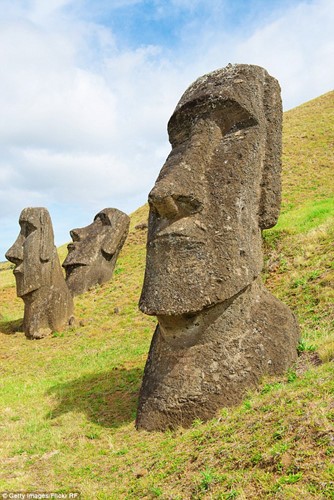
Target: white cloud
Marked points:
297	48
45	98
68	174
40	10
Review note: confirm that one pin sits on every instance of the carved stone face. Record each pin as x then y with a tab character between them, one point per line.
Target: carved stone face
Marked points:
32	250
90	237
210	200
89	256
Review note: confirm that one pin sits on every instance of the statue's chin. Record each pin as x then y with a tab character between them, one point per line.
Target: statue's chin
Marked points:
22	290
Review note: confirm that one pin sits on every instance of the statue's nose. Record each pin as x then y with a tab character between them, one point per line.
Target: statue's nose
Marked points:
172	204
163	202
179	190
15	253
78	234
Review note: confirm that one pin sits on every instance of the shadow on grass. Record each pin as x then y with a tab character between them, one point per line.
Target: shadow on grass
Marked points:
11	327
108	399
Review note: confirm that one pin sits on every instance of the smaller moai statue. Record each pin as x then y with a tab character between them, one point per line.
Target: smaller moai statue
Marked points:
48	304
93	254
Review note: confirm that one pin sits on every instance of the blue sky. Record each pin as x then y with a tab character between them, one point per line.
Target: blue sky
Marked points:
87	88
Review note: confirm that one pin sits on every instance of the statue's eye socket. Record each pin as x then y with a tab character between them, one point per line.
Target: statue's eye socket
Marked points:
241	123
188	205
229	115
102	220
27	228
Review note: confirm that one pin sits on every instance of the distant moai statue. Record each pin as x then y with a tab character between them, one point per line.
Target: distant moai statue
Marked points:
219	330
48	304
93	254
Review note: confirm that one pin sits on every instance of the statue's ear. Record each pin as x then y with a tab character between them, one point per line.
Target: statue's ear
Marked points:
270	200
109	244
116	230
47	237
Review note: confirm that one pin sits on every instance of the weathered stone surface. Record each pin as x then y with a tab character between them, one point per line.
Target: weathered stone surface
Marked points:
48	305
219	329
93	254
200	363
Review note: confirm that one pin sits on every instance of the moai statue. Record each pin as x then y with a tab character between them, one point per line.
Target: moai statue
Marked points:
48	304
219	330
92	256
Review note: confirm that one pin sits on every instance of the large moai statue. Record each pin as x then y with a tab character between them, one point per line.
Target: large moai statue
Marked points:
93	254
219	330
48	304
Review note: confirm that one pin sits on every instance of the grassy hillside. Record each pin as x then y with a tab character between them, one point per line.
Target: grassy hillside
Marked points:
68	402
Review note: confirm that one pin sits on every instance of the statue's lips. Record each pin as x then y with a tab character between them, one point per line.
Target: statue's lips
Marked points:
175	238
170	238
74	265
184	229
79	255
73	260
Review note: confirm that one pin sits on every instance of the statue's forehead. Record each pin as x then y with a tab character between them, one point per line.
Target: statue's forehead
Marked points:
30	215
109	216
225	82
219	104
208	105
211	96
242	85
37	216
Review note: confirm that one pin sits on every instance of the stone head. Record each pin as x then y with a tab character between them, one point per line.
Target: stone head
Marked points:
32	251
93	248
219	187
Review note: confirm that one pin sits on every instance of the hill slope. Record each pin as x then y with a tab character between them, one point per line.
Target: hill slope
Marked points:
68	402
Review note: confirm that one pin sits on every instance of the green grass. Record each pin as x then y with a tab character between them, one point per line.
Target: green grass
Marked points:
303	218
68	402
